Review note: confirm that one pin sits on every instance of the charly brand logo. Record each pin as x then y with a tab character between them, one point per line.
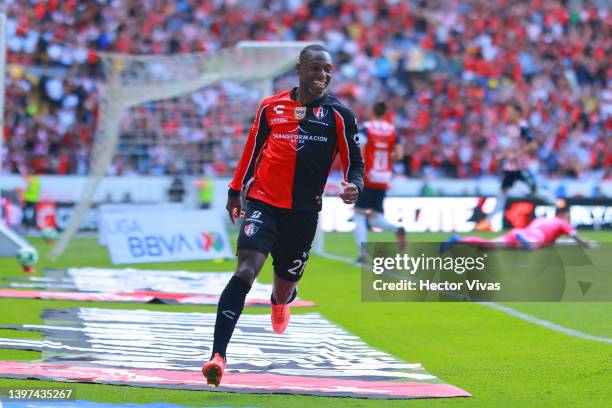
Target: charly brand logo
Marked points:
250	229
320	112
300	112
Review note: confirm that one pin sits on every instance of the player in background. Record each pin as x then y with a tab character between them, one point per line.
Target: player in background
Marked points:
540	233
380	148
515	161
290	149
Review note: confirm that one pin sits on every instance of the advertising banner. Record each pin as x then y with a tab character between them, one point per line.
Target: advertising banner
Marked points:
584	213
461	214
416	214
146	236
127	207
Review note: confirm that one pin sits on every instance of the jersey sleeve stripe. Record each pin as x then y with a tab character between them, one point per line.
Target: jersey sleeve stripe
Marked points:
343	148
253	146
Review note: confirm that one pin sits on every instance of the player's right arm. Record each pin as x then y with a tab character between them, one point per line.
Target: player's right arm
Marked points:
246	166
398	151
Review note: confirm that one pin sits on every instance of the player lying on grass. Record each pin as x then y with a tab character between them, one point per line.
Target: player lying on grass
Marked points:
540	233
284	167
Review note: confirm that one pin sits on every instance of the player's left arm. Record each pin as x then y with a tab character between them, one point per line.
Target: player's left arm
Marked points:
571	231
362	137
350	155
584	242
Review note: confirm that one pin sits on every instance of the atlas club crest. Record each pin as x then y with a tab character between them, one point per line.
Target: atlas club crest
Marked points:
250	229
320	112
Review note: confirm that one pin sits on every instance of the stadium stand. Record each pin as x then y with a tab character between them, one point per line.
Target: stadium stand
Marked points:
549	57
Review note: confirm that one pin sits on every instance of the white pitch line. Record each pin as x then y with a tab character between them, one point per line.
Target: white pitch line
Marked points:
544	323
508	310
338	258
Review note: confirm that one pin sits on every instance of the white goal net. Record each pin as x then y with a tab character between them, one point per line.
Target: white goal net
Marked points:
177	113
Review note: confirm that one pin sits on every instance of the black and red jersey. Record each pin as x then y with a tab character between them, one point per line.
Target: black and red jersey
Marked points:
380	139
290	150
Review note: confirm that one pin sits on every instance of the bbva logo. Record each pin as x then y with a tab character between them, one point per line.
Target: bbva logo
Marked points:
160	245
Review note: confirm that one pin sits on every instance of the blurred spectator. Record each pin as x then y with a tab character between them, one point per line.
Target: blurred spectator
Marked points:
176	190
450	70
205	188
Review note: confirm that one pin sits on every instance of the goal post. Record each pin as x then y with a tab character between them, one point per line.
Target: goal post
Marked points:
165	85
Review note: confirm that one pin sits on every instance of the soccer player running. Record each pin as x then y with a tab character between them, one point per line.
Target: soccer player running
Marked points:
540	233
290	149
380	147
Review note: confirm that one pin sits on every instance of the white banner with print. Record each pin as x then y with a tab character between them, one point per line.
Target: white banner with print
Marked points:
129	207
145	236
415	214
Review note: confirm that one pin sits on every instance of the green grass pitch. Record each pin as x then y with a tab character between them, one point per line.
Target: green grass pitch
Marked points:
500	359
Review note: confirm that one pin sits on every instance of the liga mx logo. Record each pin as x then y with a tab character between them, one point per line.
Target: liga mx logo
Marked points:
300	112
320	112
208	240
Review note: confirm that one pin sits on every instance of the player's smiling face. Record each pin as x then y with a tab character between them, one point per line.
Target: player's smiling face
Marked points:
315	74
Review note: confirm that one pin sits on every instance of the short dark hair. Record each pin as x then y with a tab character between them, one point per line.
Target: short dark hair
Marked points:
311	48
380	108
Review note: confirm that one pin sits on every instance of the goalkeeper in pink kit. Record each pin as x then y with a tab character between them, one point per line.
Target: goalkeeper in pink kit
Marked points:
540	233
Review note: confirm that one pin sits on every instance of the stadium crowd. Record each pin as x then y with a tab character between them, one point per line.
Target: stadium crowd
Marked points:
451	72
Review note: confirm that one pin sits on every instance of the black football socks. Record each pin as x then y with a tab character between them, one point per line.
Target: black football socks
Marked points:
229	309
291	299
